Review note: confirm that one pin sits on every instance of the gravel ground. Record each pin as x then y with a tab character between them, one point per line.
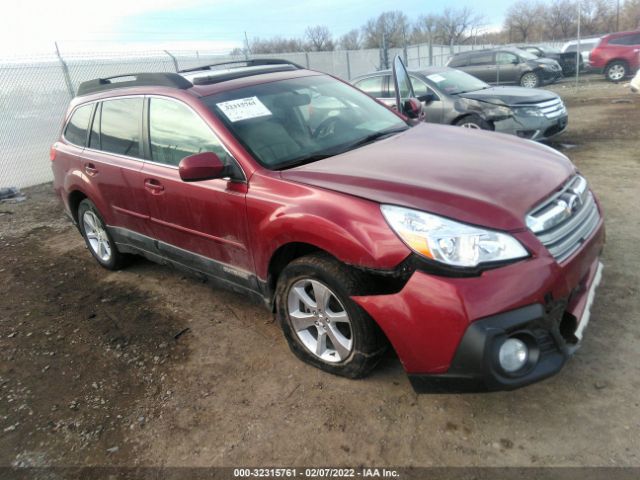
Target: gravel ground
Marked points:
148	367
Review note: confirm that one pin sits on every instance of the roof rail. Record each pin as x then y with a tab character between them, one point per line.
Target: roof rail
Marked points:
136	80
247	63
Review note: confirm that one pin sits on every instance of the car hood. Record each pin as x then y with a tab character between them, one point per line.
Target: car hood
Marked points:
510	96
477	177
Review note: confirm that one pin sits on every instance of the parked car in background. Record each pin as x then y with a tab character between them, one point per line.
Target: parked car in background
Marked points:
617	55
586	45
566	60
635	83
474	255
507	65
453	97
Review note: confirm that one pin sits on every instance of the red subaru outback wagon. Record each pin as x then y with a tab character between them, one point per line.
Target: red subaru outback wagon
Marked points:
474	255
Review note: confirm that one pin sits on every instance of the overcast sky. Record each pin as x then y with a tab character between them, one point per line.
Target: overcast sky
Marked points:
33	25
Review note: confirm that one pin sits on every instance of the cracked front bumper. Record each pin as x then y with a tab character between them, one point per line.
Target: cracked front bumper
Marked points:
445	330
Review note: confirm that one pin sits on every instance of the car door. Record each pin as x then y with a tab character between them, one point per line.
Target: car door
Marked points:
482	66
113	162
200	224
507	70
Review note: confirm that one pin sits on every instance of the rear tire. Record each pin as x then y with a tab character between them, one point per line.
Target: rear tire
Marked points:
475	122
616	71
322	325
97	237
530	80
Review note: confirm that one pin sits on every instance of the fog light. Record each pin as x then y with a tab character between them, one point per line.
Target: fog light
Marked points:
513	355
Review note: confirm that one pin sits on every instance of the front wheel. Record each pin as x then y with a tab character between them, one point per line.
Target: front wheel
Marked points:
321	323
97	238
474	122
530	80
616	71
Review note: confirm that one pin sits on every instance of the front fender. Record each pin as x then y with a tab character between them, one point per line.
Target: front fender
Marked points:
351	229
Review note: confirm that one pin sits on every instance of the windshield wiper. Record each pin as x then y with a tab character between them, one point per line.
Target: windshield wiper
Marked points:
374	136
341	149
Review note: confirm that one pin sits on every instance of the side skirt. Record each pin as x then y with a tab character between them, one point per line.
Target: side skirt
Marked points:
217	273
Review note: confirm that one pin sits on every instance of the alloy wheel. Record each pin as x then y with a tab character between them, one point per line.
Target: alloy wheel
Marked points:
97	236
529	80
320	321
617	72
470	125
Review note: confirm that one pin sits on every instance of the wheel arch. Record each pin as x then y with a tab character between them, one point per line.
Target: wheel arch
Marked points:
75	197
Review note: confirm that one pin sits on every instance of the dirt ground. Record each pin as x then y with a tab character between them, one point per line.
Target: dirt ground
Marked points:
148	367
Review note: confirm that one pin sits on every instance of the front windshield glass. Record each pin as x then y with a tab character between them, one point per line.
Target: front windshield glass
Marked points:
454	82
299	120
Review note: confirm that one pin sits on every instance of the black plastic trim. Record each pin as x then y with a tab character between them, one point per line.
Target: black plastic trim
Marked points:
474	367
140	80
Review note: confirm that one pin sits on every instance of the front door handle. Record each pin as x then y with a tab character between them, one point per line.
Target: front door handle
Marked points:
91	169
153	186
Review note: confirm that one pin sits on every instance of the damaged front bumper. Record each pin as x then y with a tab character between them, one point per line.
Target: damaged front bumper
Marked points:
446	330
532	128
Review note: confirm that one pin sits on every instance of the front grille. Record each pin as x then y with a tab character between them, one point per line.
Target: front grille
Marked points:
565	220
552	108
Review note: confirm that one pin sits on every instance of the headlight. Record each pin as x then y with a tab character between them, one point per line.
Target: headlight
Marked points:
528	112
497	111
450	242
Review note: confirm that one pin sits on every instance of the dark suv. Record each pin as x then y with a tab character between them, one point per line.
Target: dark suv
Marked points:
475	255
508	65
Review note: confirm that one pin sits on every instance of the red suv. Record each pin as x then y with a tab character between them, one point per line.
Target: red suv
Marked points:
617	55
475	255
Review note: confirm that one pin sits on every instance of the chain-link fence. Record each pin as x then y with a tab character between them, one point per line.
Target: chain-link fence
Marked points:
35	91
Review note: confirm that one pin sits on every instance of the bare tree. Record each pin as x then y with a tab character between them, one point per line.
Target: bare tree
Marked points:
390	29
560	19
319	38
456	26
523	17
277	45
350	40
424	28
630	15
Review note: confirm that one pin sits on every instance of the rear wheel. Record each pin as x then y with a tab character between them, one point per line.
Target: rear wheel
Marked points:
321	323
530	80
474	122
97	238
616	71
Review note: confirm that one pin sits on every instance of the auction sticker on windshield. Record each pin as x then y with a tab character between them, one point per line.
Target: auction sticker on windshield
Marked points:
243	109
436	78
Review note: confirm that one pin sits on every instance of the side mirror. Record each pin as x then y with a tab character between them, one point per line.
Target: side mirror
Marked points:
427	98
201	166
412	108
515	61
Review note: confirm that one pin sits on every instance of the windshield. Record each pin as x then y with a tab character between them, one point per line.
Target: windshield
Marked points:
299	120
453	82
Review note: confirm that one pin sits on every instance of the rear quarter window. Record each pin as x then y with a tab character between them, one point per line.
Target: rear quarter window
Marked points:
76	130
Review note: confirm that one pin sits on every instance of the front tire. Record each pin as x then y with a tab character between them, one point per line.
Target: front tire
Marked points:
475	122
530	80
616	71
322	325
97	237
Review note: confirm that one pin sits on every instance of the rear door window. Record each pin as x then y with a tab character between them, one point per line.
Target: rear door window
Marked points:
76	130
506	58
482	59
121	125
371	86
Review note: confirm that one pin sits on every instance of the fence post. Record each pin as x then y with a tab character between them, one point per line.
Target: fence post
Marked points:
173	59
65	73
430	50
348	65
306	56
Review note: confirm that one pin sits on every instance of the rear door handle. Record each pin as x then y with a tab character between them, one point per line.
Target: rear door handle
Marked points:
91	169
154	186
